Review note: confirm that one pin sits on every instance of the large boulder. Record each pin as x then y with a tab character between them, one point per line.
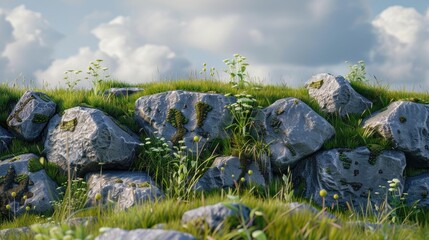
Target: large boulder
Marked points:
352	174
406	124
178	115
23	175
5	139
225	172
89	138
147	234
292	130
126	189
336	95
214	216
417	188
31	114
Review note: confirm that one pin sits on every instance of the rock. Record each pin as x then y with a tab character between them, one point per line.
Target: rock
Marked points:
147	234
178	115
352	174
30	115
14	233
417	188
336	95
297	208
5	139
16	177
406	124
124	188
88	137
219	175
122	91
214	215
293	131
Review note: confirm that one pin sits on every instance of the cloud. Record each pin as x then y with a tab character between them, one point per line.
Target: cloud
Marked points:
30	44
400	56
123	52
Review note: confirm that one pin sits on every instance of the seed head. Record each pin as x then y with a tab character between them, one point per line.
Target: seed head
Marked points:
323	193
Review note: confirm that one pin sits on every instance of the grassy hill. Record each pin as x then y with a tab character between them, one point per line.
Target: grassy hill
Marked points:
274	218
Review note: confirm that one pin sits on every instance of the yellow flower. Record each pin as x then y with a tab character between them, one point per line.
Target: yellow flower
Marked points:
27	208
13	194
8	207
336	196
196	139
323	193
97	196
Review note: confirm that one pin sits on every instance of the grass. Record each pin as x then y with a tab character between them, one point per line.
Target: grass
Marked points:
277	220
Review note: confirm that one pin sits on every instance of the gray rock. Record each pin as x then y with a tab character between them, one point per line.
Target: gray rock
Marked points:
5	139
40	190
352	174
219	175
122	91
336	95
214	215
406	124
297	208
147	234
417	188
14	233
293	131
87	137
30	115
178	115
124	188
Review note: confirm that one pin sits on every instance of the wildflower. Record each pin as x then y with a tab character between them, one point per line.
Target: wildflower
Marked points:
42	160
242	179
24	197
336	196
13	194
250	172
222	169
395	180
27	208
97	196
8	207
323	193
196	139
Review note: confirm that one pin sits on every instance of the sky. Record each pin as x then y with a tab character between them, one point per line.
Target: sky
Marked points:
284	41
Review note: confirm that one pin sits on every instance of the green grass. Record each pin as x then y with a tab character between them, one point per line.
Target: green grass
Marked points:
276	222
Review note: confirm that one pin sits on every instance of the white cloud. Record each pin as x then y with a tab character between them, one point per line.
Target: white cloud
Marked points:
30	44
400	56
128	59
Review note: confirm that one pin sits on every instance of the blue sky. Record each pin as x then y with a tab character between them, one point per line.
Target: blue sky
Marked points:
285	41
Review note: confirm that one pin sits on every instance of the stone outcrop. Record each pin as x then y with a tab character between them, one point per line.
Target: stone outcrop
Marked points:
227	170
213	216
147	234
406	124
30	183
352	174
30	115
121	91
417	188
5	139
336	95
126	189
292	130
87	137
178	115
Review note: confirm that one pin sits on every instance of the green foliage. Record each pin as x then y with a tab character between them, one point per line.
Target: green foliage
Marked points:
204	71
357	72
59	232
176	118
237	71
65	206
34	165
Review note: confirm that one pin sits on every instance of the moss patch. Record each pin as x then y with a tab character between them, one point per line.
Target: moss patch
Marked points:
68	125
375	151
44	97
176	118
202	110
19	109
40	118
317	84
18	184
346	161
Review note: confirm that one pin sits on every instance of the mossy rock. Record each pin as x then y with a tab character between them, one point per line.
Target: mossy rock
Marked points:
317	84
68	125
40	118
202	109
